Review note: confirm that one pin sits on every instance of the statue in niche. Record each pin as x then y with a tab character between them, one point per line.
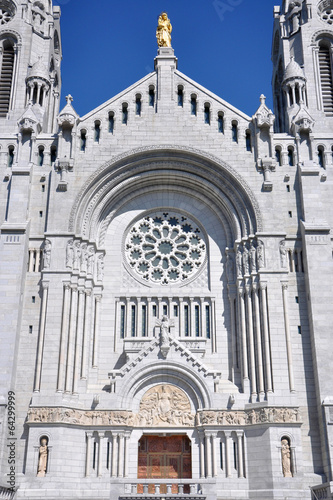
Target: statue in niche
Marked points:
253	254
84	258
42	457
239	263
283	254
260	255
230	269
69	254
165	323
246	260
77	255
47	254
286	457
163	32
91	260
100	268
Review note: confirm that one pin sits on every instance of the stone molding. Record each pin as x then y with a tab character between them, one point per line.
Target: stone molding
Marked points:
126	418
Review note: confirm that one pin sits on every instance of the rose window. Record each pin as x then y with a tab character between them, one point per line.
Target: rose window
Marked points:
326	11
165	248
7	11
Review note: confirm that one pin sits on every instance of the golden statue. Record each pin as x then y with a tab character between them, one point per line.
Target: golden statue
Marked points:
163	32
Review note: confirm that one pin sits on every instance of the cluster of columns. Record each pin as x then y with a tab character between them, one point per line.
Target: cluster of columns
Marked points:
250	331
80	320
295	260
231	445
35	258
136	316
37	92
107	453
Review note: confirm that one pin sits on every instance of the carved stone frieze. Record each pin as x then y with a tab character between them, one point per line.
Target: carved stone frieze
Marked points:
164	406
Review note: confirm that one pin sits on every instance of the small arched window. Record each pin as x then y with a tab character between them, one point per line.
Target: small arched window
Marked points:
193	105
53	152
6	76
138	105
124	118
291	160
151	96
234	131
111	122
248	141
10	156
207	113
97	131
40	157
180	95
220	122
83	141
278	155
321	156
326	76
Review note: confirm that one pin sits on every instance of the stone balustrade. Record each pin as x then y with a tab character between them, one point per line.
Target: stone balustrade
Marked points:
153	488
322	491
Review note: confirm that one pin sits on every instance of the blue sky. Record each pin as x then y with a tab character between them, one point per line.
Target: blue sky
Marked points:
225	45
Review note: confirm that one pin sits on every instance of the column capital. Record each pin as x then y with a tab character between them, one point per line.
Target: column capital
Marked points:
101	434
240	434
89	434
263	285
227	434
284	285
45	285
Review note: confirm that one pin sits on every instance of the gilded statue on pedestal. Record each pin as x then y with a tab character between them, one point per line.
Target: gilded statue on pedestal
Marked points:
163	32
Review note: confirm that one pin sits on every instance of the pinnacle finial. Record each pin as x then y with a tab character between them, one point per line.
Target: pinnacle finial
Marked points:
263	99
69	99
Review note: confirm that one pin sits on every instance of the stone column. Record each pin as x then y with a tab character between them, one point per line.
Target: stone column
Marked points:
31	260
243	332
64	333
240	453
148	315
202	455
86	333
213	329
180	317
191	325
40	348
214	454
37	262
114	455
78	343
227	453
208	455
232	297
288	337
263	288
71	340
100	454
258	342
128	318
121	456
202	318
251	343
126	453
88	452
98	299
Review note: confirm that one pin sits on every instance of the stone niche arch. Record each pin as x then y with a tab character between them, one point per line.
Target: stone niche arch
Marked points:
159	374
204	177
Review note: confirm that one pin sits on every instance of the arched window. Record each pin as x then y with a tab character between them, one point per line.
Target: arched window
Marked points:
83	140
124	114
291	160
220	122
151	96
10	156
53	152
111	122
248	141
321	157
97	131
207	113
194	105
278	155
234	131
40	157
138	105
326	79
180	95
6	75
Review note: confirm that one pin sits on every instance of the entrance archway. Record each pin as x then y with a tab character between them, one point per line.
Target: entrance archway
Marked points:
164	457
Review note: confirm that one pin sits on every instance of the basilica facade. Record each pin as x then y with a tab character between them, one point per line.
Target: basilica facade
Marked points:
166	275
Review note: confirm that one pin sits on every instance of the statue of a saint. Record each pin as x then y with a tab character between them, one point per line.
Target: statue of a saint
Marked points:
42	459
286	458
163	32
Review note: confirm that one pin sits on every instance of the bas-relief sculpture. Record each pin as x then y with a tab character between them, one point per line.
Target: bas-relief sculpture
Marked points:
164	405
163	32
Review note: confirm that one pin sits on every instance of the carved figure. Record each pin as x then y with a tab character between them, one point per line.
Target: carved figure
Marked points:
77	254
84	258
69	254
260	255
283	254
246	260
163	32
100	268
165	324
286	458
253	254
47	254
239	264
42	458
91	260
230	269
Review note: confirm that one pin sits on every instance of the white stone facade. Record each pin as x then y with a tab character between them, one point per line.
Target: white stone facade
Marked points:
166	272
